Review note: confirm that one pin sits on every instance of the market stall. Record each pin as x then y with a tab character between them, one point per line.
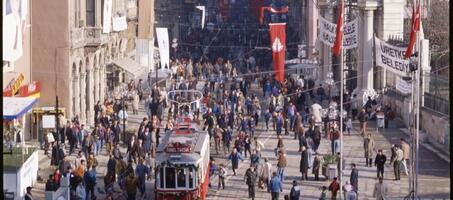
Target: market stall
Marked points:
20	166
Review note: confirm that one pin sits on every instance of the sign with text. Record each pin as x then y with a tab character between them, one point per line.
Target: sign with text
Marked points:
119	23
403	86
327	33
391	57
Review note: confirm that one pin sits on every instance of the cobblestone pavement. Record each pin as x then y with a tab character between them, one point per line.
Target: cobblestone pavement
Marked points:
434	179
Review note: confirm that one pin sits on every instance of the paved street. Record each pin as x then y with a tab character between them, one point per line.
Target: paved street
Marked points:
434	172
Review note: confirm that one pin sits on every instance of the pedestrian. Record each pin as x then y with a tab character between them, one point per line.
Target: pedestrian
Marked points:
294	194
258	145
265	173
281	165
301	136
334	187
349	125
267	117
50	184
303	167
406	153
235	157
397	162
250	178
279	123
222	174
226	139
81	191
380	190
79	159
109	181
368	145
254	159
334	136
92	161
275	186
363	118
354	178
90	182
346	188
323	193
28	195
131	186
316	138
316	166
212	170
141	172
217	137
379	162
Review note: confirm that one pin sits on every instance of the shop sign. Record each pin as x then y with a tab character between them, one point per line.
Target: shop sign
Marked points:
14	87
31	89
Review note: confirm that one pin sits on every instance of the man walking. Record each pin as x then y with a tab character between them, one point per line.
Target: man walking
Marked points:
303	168
379	162
368	145
281	165
295	191
354	179
250	177
397	162
235	157
275	186
222	175
406	153
380	190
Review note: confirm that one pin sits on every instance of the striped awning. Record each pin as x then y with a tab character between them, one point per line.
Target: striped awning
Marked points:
14	107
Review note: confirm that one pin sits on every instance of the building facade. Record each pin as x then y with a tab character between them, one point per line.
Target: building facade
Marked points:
72	49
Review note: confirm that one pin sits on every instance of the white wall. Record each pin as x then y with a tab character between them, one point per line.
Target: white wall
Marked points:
24	177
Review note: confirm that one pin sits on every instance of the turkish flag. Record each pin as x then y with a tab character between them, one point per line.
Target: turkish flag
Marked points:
414	29
336	49
278	46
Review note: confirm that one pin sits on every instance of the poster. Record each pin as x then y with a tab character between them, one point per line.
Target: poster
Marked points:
391	57
119	23
107	16
403	86
48	121
164	47
14	22
327	33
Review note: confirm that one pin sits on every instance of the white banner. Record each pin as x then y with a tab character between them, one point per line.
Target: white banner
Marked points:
14	23
119	23
327	33
48	121
202	8
164	47
403	86
391	57
107	23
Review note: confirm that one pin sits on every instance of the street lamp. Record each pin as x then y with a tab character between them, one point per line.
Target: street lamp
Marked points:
330	82
331	114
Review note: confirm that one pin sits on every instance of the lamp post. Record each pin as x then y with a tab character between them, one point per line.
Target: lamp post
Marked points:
331	114
124	117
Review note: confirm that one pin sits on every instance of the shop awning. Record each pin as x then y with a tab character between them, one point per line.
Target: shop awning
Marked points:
14	107
132	67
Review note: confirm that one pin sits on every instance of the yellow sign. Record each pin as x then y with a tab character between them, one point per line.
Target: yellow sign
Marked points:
15	87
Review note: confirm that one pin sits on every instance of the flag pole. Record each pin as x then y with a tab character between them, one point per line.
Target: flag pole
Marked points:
417	136
341	116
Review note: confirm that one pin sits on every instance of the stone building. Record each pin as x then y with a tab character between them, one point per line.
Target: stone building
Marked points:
71	51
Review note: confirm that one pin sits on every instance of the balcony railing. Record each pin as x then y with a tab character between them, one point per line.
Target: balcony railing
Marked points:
88	36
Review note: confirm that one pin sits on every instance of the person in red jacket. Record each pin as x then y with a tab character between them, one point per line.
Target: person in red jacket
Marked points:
334	187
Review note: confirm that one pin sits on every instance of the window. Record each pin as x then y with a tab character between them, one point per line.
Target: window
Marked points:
161	177
191	177
91	12
170	174
182	177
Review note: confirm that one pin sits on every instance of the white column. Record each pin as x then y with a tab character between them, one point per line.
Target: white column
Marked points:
82	98
76	96
102	84
90	108
312	23
367	79
96	84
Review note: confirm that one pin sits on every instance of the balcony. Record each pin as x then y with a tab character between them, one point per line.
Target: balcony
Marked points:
88	36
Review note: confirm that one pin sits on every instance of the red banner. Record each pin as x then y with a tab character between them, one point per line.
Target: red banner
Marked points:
336	49
278	46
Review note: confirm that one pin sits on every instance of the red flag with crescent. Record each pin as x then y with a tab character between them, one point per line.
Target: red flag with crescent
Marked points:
278	46
415	27
336	49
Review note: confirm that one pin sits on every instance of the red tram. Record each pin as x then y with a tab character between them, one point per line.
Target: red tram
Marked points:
182	163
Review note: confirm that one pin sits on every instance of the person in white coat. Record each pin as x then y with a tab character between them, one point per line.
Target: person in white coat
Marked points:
266	172
380	190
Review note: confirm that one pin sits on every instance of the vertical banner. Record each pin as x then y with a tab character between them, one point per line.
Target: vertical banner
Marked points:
107	23
151	55
164	48
203	10
278	42
14	21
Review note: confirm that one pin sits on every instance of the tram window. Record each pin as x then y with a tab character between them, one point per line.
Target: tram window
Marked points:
182	177
161	177
170	181
191	179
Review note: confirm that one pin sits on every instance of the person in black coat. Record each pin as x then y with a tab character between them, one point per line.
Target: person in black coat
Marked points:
295	191
251	177
379	162
303	168
354	179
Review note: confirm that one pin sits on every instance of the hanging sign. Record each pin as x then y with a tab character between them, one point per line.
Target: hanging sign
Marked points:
14	87
391	57
327	33
403	86
119	23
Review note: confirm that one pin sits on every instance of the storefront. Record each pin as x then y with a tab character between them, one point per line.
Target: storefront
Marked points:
20	161
44	121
